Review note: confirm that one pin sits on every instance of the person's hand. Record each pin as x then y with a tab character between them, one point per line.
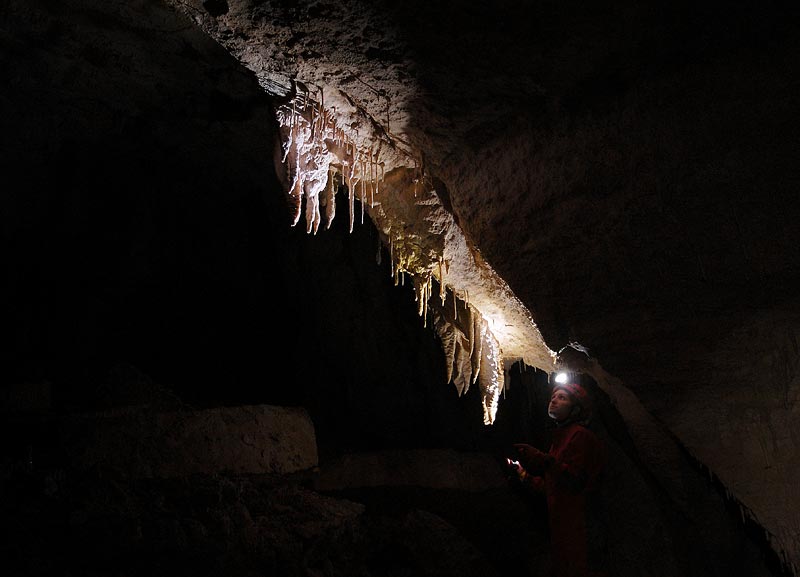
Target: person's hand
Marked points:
532	457
516	468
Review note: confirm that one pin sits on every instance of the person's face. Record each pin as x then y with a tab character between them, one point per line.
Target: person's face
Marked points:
560	405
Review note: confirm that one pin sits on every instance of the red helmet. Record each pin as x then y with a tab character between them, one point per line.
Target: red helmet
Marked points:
579	396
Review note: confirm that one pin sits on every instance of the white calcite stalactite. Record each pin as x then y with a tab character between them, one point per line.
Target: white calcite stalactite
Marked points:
330	199
472	353
442	285
476	342
315	149
391	260
307	158
462	364
456	344
313	216
351	200
449	343
491	377
422	288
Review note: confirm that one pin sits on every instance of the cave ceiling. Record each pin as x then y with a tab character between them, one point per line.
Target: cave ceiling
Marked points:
577	174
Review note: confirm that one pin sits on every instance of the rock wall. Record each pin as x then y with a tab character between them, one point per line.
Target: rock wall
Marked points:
141	444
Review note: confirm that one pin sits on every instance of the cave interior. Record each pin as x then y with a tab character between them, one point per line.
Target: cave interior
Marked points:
286	279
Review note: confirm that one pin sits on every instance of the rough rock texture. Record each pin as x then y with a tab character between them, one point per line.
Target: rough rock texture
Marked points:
436	469
627	174
346	74
132	443
222	524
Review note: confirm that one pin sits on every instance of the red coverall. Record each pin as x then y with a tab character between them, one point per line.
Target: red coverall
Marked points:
571	468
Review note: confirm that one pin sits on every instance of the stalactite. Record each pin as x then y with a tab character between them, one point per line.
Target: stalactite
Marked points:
477	344
291	130
312	213
425	291
353	161
330	198
351	198
297	189
450	361
312	120
378	169
297	193
427	296
442	287
364	183
322	111
362	200
311	136
419	285
351	202
371	180
391	257
492	373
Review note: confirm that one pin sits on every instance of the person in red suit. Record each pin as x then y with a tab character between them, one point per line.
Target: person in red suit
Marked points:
569	475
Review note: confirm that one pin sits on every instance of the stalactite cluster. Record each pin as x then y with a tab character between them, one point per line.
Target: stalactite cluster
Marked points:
472	352
319	155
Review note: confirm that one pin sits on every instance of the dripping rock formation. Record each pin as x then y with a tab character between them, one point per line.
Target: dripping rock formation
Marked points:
286	278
